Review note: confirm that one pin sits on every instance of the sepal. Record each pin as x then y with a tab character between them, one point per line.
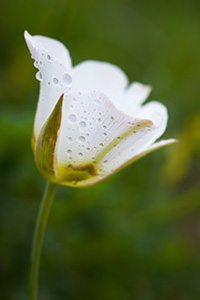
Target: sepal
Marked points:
45	150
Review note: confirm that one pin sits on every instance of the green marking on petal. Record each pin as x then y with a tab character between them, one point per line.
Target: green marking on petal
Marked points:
140	126
72	175
46	143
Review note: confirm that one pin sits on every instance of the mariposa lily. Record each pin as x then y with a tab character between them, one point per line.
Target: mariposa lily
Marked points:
90	122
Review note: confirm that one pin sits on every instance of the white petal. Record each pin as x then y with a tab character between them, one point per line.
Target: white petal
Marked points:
157	113
139	142
90	124
99	76
132	97
53	61
148	150
92	129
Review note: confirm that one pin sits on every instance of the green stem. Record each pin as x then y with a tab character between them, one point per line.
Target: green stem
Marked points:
38	238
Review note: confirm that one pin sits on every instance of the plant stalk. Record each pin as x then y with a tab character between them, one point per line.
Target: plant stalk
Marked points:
38	238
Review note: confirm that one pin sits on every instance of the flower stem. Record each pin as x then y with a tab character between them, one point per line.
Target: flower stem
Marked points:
38	238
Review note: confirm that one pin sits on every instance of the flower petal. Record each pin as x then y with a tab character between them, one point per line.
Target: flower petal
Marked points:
131	98
91	128
99	76
157	113
150	149
53	61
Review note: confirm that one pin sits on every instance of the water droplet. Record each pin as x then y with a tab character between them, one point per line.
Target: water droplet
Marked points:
105	133
99	119
72	118
70	138
48	57
104	126
97	101
70	166
88	149
80	154
66	78
36	64
38	76
101	144
105	161
69	151
81	138
82	124
55	80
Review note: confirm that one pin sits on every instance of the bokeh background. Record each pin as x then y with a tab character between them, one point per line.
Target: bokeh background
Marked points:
137	235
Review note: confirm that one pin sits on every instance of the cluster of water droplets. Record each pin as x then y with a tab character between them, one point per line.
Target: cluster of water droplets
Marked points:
53	74
92	124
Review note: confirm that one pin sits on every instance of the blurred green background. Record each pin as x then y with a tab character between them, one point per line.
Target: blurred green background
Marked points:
137	235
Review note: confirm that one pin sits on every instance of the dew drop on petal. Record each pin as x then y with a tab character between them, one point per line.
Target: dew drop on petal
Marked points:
72	118
70	138
82	124
38	76
55	80
35	63
66	78
97	101
81	138
80	154
69	151
48	57
99	119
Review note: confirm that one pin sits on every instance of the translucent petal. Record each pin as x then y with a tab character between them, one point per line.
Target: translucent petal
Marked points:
139	142
131	98
91	128
148	150
54	64
157	113
99	76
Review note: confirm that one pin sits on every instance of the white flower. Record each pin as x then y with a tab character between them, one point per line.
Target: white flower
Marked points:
89	121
